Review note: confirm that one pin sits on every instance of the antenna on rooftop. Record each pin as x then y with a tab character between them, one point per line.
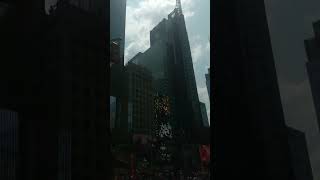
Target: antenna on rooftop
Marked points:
178	6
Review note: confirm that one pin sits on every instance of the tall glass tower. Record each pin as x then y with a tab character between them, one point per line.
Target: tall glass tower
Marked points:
118	23
169	59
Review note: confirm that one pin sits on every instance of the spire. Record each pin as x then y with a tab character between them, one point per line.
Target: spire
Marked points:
178	6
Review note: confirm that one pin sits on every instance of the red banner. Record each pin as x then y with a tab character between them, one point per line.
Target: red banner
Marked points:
204	153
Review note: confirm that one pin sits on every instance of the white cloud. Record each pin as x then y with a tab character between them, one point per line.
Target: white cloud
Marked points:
208	46
198	48
143	17
196	51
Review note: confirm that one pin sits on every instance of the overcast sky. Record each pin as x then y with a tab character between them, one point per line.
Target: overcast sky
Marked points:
290	23
143	15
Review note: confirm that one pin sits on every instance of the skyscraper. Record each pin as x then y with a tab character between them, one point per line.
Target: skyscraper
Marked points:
313	67
118	23
59	93
250	136
140	94
118	84
75	67
169	59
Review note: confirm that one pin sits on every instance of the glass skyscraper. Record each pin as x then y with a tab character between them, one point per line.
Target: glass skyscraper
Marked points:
169	59
118	22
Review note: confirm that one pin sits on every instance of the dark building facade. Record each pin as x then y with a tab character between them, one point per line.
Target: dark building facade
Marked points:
208	82
313	67
249	134
299	155
118	83
205	121
76	50
169	59
140	94
9	144
53	75
118	23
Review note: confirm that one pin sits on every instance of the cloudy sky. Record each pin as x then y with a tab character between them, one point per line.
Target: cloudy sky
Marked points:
290	23
143	15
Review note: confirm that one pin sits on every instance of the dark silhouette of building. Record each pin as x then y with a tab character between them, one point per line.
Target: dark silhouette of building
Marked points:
249	133
140	94
118	23
169	59
313	67
118	82
299	155
9	144
53	75
205	121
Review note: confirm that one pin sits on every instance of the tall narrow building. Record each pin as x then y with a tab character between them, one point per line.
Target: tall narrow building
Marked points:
169	59
313	67
118	23
250	134
59	93
118	84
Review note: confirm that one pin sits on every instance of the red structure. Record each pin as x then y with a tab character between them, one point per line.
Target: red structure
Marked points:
204	151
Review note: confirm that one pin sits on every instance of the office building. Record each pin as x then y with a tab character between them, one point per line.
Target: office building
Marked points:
118	84
170	62
118	23
22	85
204	115
9	144
299	155
76	72
249	131
140	94
57	84
313	67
